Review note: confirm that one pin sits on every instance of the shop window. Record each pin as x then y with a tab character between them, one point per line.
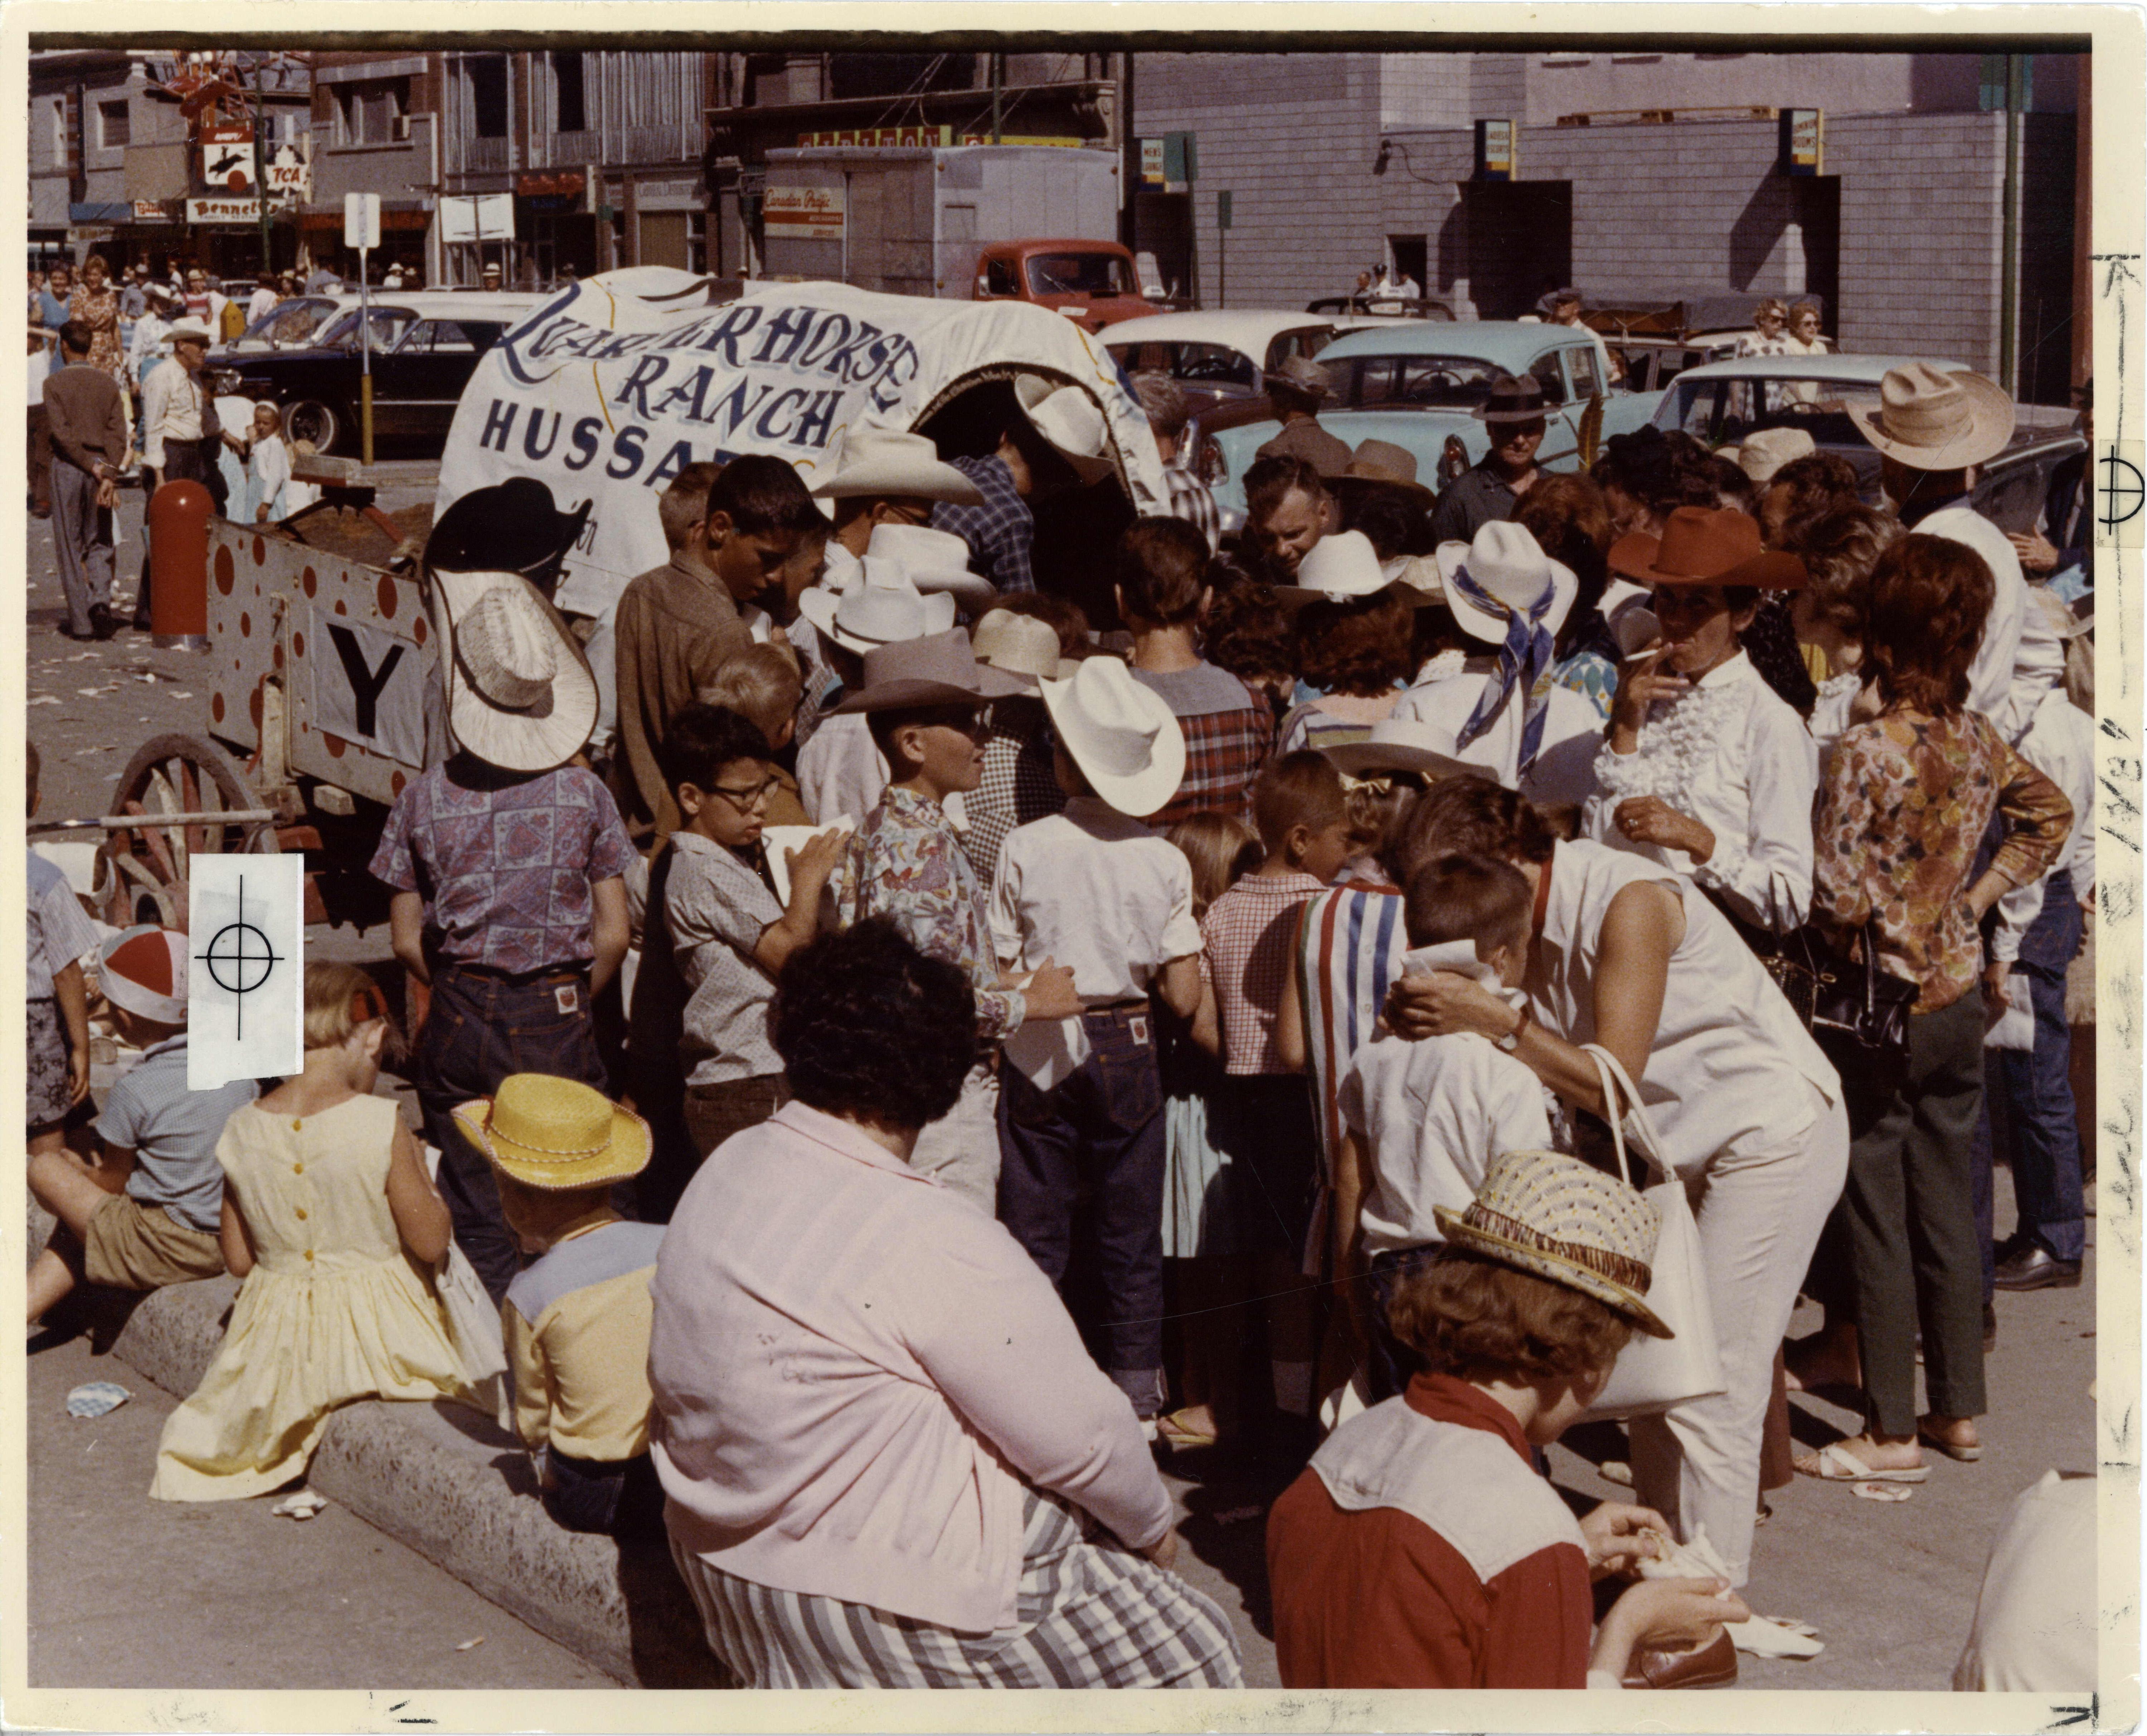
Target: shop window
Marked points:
112	125
570	105
485	75
367	112
59	132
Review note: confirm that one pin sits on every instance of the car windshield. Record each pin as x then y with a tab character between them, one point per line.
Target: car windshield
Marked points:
1078	274
389	324
1439	383
290	322
1194	364
1719	411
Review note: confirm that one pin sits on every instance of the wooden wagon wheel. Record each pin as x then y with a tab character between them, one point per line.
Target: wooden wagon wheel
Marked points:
176	774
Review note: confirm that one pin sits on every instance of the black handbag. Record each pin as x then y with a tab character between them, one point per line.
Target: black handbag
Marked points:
1857	1012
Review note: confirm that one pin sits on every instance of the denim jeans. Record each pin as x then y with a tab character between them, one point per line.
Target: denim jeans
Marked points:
480	1029
1099	1131
619	1499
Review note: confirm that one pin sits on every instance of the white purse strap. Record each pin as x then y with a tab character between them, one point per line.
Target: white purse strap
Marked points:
1621	1098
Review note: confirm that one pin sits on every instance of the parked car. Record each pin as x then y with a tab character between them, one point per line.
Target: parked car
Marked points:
1417	384
1092	281
425	348
1216	357
296	323
1724	402
1357	310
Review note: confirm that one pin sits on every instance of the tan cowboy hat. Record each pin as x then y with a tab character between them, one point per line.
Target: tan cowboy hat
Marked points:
886	462
1301	373
1706	546
1559	1218
1508	563
1401	744
1069	420
1766	450
1019	645
187	331
520	695
553	1134
881	607
1933	420
1124	737
1343	567
935	560
938	669
1381	467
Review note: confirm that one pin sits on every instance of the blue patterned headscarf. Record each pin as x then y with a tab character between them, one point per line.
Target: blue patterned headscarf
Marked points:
1522	659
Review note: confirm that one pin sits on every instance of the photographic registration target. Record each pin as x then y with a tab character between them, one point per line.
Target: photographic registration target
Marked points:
246	966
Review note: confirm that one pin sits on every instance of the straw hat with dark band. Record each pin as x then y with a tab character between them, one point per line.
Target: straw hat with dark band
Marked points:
1932	420
553	1133
1559	1218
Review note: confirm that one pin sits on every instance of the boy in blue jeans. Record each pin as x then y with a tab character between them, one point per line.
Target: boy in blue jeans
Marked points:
507	864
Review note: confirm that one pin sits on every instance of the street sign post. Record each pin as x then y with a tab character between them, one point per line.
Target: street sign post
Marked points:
361	229
1222	249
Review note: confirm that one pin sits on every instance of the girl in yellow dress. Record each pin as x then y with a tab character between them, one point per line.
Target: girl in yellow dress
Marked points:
329	1219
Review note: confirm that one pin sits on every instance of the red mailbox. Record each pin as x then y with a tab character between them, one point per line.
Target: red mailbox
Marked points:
178	566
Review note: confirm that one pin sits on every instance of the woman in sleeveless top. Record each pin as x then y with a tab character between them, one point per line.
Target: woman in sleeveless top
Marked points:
1631	956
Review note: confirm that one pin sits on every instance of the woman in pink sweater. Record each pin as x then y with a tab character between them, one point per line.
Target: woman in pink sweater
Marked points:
889	1461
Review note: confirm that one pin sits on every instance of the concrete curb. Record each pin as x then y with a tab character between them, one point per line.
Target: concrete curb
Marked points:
453	1486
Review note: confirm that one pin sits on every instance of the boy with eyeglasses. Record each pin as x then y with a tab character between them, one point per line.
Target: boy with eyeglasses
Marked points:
714	920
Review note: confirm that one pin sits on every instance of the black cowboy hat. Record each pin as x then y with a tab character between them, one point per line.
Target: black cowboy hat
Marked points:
1514	400
511	527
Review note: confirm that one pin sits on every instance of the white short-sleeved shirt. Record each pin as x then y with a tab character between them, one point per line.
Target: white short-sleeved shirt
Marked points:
1990	676
1445	696
1430	1116
1098	892
59	934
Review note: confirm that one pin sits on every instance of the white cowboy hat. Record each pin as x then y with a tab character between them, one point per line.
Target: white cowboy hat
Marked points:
1340	568
883	608
1401	744
187	331
1068	417
1124	737
939	668
520	695
1766	450
1506	561
935	560
1019	645
887	462
1936	421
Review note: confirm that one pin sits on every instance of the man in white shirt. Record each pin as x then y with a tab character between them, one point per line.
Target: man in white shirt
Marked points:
180	437
263	299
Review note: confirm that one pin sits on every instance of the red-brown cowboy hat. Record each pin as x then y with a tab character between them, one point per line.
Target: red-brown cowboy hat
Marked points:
1706	546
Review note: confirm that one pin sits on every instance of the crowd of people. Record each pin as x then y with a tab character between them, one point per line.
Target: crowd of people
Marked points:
1024	1018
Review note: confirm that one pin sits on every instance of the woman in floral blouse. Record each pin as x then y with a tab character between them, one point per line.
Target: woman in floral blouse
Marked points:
95	303
1909	796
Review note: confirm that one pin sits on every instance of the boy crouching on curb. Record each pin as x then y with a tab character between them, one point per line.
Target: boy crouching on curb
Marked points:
577	1320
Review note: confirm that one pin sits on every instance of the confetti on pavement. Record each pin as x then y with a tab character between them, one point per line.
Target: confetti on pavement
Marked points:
97	1398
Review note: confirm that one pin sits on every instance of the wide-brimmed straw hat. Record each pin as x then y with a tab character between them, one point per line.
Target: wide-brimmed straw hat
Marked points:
554	1133
187	331
887	462
940	668
1124	737
1069	420
520	695
881	607
1513	398
1766	450
143	969
1557	1218
1343	567
1508	563
1401	744
1019	645
1933	420
935	560
1379	466
1302	374
1706	546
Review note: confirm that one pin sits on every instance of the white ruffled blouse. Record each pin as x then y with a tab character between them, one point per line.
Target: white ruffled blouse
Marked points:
1731	754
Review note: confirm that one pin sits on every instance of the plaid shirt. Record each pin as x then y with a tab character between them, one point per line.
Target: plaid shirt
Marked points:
1192	500
1018	786
505	873
1247	955
998	533
1226	745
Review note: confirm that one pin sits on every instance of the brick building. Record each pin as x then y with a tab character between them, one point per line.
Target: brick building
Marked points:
1901	236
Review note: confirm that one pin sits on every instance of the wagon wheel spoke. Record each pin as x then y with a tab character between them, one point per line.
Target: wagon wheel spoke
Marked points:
155	840
133	882
176	774
166	800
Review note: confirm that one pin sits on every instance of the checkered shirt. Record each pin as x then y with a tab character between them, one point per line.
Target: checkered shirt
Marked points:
1192	500
1019	784
1247	956
1224	753
1000	532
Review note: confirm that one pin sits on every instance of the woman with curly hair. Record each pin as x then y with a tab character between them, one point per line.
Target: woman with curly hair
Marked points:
1356	651
865	1491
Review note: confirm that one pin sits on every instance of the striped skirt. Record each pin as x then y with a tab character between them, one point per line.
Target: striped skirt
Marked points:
1091	1614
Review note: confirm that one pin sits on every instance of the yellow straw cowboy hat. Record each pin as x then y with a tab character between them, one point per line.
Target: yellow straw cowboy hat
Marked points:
553	1133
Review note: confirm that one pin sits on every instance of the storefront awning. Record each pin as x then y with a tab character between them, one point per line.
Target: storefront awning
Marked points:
560	182
113	211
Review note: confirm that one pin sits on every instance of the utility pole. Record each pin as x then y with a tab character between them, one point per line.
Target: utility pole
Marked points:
1129	157
260	165
2009	288
998	81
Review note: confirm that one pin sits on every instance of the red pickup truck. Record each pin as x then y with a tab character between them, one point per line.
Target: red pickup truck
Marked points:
1092	281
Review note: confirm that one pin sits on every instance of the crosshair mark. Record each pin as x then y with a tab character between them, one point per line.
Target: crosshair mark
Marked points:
2120	493
249	969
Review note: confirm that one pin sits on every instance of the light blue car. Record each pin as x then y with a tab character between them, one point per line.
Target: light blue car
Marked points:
1417	386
